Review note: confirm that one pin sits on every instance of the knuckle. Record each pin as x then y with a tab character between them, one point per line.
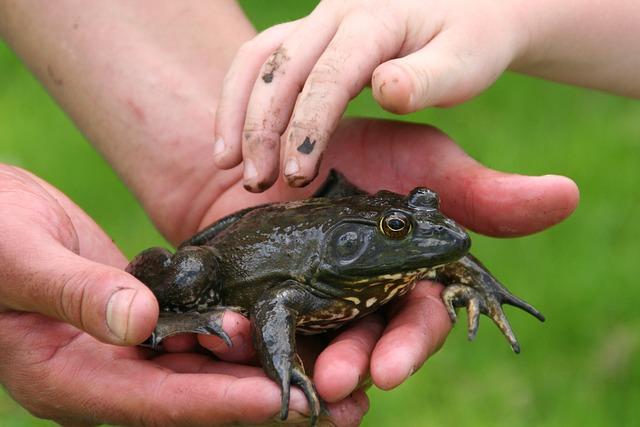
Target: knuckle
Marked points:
326	72
71	297
388	32
262	140
311	128
271	121
248	48
74	299
421	82
326	83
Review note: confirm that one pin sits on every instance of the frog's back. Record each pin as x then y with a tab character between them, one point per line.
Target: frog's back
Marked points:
282	241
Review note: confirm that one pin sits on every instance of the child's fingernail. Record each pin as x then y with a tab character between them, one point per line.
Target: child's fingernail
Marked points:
219	147
250	171
291	167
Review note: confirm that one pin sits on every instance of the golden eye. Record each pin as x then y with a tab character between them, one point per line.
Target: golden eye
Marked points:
395	225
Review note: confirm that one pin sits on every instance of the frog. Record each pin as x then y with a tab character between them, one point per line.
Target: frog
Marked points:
314	265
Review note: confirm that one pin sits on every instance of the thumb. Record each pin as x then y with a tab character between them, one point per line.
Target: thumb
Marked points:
103	301
449	70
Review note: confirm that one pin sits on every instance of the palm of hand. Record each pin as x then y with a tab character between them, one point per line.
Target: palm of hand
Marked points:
398	157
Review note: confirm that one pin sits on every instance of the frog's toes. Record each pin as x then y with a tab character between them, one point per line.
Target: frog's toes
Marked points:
297	377
208	323
463	296
212	325
306	385
152	342
479	300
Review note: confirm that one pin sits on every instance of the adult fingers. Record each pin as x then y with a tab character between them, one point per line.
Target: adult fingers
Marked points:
236	90
416	331
344	365
41	271
74	379
342	412
484	200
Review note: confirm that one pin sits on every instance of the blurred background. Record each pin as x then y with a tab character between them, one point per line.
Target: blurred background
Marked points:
581	367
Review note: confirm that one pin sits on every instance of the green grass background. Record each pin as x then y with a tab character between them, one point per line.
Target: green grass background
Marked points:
582	367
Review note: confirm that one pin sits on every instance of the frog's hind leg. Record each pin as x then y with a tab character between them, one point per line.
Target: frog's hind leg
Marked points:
469	284
150	266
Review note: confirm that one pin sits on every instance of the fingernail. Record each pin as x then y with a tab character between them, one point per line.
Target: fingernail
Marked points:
292	167
250	171
219	146
118	312
411	372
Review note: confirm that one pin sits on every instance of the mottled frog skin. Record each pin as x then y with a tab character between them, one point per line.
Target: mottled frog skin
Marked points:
313	265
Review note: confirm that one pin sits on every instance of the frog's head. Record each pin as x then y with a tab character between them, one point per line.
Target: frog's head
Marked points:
403	235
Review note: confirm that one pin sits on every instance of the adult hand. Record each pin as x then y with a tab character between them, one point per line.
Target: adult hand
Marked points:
398	156
65	301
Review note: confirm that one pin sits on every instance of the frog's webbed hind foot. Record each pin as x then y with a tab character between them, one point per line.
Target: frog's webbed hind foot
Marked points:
207	323
469	284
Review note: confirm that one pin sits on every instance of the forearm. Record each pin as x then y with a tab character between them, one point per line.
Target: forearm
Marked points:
140	79
591	43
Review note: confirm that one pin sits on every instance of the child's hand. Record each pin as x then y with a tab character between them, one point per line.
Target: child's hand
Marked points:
296	79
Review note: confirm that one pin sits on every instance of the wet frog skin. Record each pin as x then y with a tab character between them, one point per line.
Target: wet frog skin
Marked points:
314	265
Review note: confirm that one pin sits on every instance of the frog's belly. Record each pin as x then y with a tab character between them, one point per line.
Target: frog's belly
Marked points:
319	322
352	307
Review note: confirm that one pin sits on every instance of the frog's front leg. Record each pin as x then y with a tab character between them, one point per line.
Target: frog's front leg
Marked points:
186	287
207	322
469	284
274	319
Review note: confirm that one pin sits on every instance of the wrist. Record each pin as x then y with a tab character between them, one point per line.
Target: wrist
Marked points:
526	27
142	83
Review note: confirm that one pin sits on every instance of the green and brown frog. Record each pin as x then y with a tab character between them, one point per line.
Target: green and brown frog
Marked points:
314	265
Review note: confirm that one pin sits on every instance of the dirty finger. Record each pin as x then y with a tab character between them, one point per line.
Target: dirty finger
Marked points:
273	96
236	90
340	73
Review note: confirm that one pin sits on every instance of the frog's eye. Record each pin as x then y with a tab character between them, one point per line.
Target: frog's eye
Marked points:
395	225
